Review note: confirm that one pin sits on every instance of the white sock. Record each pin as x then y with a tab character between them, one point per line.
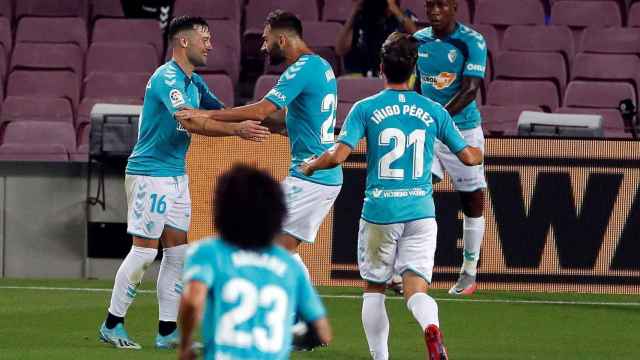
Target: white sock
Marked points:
376	325
299	260
128	278
473	232
424	309
169	286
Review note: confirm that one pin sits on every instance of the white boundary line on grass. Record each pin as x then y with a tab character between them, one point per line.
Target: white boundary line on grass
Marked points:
498	301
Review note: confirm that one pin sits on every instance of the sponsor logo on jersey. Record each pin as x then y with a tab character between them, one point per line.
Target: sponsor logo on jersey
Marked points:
475	67
423	55
440	81
452	55
280	96
176	98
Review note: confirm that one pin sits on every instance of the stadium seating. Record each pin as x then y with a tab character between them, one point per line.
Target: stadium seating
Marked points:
49	8
210	9
352	89
612	40
139	31
509	12
607	67
598	97
225	56
121	58
105	9
581	14
19	108
105	85
336	10
263	85
634	15
38	140
518	92
6	9
540	38
503	120
534	66
52	30
222	87
5	37
55	84
28	56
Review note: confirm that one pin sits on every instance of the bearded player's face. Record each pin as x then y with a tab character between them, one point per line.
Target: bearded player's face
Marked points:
271	46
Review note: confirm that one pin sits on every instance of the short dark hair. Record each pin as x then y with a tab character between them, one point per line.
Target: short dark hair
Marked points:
284	20
249	208
184	22
398	55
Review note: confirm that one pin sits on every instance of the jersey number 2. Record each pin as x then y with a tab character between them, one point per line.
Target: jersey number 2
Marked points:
249	298
326	131
416	138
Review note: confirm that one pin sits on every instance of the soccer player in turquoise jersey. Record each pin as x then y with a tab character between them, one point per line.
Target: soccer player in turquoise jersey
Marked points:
159	205
397	227
307	89
246	286
451	64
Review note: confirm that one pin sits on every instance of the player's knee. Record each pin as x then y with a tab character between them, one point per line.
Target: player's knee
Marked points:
413	283
375	287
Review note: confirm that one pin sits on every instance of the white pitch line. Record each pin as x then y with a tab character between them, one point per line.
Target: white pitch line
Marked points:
498	301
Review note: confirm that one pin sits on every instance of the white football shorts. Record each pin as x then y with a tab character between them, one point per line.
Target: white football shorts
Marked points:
156	202
308	204
465	178
384	250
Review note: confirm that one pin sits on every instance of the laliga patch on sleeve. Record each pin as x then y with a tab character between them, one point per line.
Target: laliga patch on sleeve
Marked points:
176	98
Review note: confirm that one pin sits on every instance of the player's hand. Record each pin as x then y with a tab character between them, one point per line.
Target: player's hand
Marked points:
252	130
305	168
186	353
189	114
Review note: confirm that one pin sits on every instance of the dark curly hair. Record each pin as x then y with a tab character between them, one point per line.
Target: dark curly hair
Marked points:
185	22
398	56
249	208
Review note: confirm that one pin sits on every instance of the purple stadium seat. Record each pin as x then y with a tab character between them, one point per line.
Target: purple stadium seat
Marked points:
28	56
18	108
321	38
634	15
607	67
352	89
141	31
503	120
210	9
54	84
534	66
38	141
598	97
105	9
225	56
611	40
257	11
53	30
115	85
49	8
336	10
263	85
581	14
222	87
540	38
6	9
516	92
509	12
121	58
5	36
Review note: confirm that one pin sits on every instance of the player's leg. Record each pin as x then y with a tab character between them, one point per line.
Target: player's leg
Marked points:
174	243
143	251
470	183
376	255
416	252
307	205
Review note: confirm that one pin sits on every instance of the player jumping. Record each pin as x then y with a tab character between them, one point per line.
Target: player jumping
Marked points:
451	66
398	227
159	205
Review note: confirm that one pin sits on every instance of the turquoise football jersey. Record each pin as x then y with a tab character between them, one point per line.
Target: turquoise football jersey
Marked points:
443	62
162	142
308	89
251	298
400	127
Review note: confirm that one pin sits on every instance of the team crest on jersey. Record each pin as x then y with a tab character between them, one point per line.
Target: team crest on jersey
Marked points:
441	81
452	55
176	98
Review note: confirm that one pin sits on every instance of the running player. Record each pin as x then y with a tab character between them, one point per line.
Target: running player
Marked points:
451	66
308	89
159	205
246	286
398	227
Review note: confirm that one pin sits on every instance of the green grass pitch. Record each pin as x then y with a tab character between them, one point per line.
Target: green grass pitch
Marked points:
62	324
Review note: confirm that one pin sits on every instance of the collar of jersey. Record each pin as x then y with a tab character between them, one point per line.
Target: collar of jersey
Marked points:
457	28
187	80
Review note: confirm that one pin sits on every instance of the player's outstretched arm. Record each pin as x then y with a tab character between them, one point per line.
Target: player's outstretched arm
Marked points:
256	112
191	306
331	158
323	329
470	156
248	130
276	122
467	93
